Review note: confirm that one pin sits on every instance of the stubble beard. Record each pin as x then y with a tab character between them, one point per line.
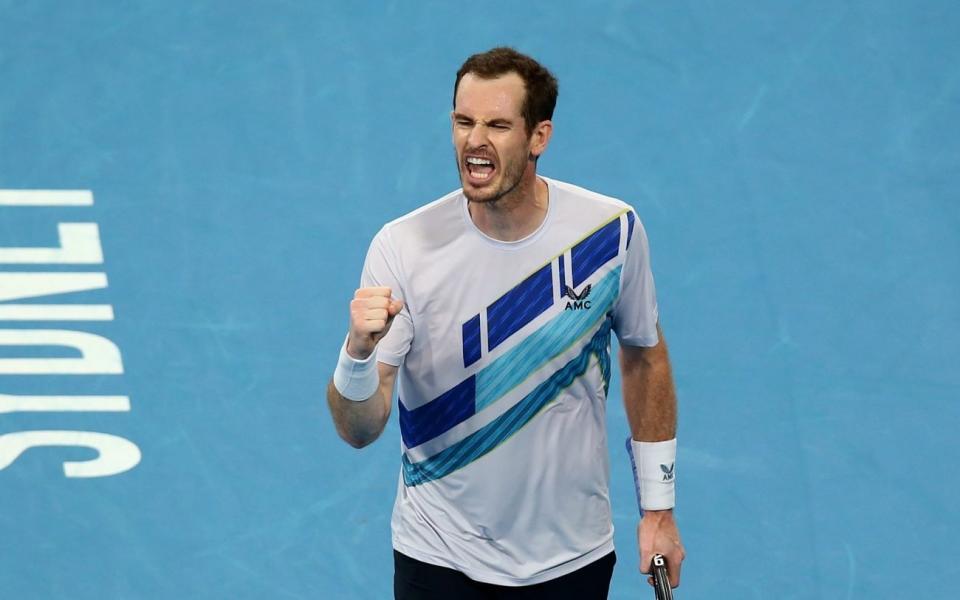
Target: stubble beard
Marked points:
510	179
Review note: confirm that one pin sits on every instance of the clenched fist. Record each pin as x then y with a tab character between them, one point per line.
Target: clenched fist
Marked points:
371	312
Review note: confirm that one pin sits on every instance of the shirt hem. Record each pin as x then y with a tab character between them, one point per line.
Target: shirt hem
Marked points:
506	580
648	341
389	358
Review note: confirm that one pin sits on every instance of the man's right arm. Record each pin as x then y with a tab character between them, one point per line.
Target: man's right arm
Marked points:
359	418
360	423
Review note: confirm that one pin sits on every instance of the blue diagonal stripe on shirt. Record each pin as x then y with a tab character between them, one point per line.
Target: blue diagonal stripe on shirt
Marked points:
590	254
440	414
500	429
471	341
519	306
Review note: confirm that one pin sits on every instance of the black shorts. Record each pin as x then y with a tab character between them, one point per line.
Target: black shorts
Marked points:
416	580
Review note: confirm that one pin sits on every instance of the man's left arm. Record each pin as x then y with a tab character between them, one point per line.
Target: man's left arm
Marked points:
651	406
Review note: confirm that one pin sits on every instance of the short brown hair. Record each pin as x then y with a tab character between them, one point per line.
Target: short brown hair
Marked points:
540	84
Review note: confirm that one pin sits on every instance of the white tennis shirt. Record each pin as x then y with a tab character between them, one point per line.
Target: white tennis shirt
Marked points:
504	356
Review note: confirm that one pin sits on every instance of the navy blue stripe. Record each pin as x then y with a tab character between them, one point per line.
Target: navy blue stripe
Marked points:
593	252
440	414
519	306
471	341
562	276
630	221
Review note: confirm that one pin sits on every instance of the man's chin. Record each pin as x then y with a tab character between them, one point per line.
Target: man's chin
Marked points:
479	198
480	195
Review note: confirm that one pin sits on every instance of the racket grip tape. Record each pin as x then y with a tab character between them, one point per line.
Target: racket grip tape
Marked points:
661	579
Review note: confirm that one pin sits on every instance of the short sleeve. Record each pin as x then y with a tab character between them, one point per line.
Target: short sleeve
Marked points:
382	268
635	311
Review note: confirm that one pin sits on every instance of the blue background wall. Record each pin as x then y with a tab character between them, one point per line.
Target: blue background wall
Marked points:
796	165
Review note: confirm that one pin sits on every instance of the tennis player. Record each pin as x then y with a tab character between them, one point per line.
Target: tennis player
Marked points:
490	310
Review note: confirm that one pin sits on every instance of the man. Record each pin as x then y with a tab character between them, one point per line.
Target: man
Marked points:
495	305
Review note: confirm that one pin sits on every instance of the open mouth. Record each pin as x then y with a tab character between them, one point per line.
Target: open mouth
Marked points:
480	169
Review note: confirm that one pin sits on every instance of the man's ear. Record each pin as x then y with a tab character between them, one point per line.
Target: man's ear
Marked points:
540	138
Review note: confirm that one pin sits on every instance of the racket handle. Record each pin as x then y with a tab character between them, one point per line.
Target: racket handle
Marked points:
661	580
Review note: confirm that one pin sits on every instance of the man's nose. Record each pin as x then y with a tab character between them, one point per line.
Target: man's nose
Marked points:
477	136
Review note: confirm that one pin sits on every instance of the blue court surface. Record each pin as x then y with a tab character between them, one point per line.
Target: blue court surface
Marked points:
189	189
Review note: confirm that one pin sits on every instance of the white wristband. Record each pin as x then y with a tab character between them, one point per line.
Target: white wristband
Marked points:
654	473
356	380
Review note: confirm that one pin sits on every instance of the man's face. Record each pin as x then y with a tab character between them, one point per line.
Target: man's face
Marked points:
489	136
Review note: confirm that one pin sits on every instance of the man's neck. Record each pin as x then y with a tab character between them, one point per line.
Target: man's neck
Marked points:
516	215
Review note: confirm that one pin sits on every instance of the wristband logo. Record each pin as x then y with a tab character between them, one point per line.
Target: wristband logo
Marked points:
578	301
667	472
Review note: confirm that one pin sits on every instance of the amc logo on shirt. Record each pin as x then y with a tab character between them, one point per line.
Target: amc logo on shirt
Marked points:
577	301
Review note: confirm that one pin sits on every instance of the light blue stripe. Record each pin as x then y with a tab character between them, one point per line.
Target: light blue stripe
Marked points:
508	371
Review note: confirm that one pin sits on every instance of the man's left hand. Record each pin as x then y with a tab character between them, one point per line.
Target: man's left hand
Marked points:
657	533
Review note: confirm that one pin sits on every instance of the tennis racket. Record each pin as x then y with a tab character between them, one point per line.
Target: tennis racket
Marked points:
661	581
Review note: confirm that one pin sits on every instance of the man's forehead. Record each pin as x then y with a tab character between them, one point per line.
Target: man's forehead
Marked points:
502	96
